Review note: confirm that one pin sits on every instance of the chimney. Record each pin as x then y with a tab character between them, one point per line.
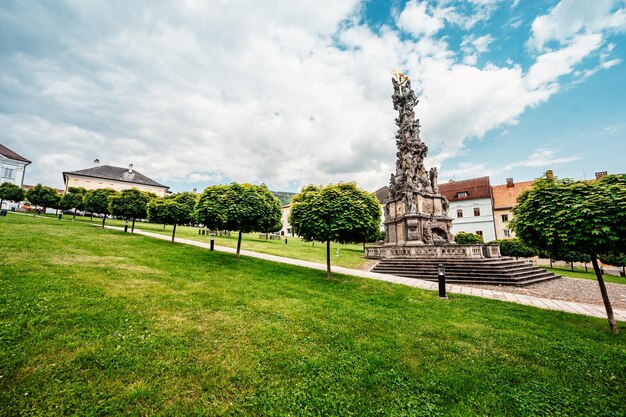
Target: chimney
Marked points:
601	174
96	162
549	174
509	183
130	168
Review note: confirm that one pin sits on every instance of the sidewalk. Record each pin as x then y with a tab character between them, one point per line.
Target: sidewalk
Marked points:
543	303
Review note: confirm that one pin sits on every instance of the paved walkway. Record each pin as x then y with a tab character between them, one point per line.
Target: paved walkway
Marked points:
543	303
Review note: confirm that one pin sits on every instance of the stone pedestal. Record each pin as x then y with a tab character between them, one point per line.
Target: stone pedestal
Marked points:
417	218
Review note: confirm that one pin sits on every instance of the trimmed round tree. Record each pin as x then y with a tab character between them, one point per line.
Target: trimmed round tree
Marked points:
564	216
168	211
240	207
97	201
10	192
130	204
43	197
73	199
340	213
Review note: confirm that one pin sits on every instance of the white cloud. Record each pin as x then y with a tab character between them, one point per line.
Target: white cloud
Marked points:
281	93
416	19
542	158
570	18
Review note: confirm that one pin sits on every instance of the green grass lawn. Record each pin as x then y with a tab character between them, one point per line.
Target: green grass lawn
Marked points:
349	255
99	322
580	273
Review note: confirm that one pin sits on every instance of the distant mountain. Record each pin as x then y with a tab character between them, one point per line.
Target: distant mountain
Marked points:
283	196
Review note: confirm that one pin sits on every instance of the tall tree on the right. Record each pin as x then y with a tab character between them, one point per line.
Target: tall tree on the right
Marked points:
589	217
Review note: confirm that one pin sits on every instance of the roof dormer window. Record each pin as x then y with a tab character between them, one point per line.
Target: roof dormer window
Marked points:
462	194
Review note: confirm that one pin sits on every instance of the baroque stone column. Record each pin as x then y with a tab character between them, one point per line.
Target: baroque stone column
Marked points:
416	214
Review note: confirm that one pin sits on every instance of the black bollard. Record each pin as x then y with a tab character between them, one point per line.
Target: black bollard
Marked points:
126	228
212	247
60	216
285	241
441	275
199	231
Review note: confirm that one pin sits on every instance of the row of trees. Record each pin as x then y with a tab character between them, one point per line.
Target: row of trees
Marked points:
340	213
576	218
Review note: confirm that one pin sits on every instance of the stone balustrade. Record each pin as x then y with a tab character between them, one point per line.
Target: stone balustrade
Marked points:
433	251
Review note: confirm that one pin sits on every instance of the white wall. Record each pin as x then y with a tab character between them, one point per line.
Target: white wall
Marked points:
15	175
471	223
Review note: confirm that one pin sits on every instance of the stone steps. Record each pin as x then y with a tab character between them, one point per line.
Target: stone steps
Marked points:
494	271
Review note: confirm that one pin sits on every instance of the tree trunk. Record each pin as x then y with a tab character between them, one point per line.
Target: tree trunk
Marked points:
238	244
173	232
586	270
550	262
605	296
91	220
1	200
103	220
329	274
132	229
163	226
74	218
572	266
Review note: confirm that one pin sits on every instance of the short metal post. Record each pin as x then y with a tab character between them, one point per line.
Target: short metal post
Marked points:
199	231
285	241
60	216
126	228
441	275
212	247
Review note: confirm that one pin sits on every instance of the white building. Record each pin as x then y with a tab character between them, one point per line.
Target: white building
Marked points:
12	169
117	178
471	207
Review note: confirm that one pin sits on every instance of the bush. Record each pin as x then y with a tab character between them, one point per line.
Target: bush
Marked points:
515	247
464	238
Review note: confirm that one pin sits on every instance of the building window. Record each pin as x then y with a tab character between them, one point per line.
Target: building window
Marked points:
479	233
476	211
462	194
505	218
459	213
507	233
8	173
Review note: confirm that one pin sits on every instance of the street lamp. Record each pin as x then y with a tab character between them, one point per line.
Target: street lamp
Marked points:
441	275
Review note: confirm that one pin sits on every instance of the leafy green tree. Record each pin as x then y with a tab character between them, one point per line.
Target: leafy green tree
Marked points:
562	216
97	201
615	259
168	211
339	213
189	200
515	247
73	199
10	192
465	238
43	197
242	207
131	204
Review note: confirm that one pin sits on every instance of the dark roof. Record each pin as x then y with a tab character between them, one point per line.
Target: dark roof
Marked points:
382	194
116	173
10	154
475	188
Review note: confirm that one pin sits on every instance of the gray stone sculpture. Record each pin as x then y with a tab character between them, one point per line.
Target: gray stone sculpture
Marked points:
415	211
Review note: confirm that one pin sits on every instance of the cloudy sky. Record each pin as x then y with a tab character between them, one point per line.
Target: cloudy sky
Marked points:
288	93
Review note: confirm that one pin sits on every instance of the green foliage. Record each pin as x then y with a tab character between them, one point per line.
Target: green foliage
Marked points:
515	247
11	192
189	200
465	238
73	199
564	216
283	196
97	201
241	207
339	213
615	259
167	211
130	204
43	196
